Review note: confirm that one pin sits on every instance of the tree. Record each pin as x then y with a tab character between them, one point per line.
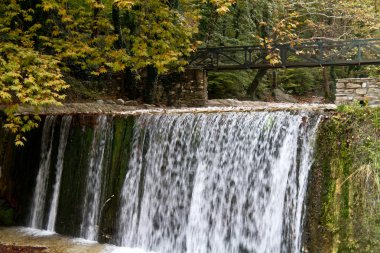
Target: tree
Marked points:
251	22
43	40
265	23
27	76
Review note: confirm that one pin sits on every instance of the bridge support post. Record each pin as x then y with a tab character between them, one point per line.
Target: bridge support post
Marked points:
274	79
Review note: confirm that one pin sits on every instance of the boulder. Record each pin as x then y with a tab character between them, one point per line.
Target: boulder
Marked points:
281	96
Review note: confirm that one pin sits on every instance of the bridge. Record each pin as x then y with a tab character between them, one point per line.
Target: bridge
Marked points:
309	54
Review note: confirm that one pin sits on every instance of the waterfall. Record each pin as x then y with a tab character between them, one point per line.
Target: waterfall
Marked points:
41	189
91	206
64	132
194	183
227	182
39	195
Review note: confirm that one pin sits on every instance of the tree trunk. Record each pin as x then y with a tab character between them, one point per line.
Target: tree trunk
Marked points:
333	77
129	83
263	33
95	23
326	84
256	81
274	79
150	84
117	25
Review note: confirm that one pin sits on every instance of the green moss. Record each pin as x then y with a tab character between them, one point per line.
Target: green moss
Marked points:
115	175
347	158
74	174
7	215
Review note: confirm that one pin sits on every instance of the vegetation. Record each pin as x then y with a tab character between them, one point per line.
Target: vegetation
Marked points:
43	40
264	22
348	158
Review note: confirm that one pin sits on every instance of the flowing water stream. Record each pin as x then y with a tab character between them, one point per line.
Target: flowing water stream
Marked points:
232	182
195	182
91	204
39	196
64	132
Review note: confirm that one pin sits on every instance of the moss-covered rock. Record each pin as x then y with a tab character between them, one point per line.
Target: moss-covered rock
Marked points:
73	181
114	176
343	198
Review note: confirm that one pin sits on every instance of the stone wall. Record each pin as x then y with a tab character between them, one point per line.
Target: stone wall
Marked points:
349	90
185	89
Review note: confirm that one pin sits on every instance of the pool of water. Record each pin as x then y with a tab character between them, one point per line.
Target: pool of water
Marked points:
56	243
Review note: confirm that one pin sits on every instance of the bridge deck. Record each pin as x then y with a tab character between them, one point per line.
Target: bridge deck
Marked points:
310	54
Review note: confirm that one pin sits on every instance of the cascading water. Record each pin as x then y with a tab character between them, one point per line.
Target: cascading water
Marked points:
39	196
227	182
91	206
201	182
64	132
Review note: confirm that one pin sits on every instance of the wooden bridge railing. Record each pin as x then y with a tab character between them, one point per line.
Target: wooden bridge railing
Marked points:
308	54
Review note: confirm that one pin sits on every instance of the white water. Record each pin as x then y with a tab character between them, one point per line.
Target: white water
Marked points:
64	133
227	182
39	195
91	206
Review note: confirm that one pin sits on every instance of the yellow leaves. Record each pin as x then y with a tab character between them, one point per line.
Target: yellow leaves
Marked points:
163	35
19	124
222	9
5	97
222	6
102	70
30	78
262	23
273	58
96	4
55	33
48	5
124	4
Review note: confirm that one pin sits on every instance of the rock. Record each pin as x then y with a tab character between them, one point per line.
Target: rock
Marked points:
6	214
353	85
340	85
100	102
214	102
342	91
110	101
198	102
361	91
147	106
120	101
283	97
131	103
